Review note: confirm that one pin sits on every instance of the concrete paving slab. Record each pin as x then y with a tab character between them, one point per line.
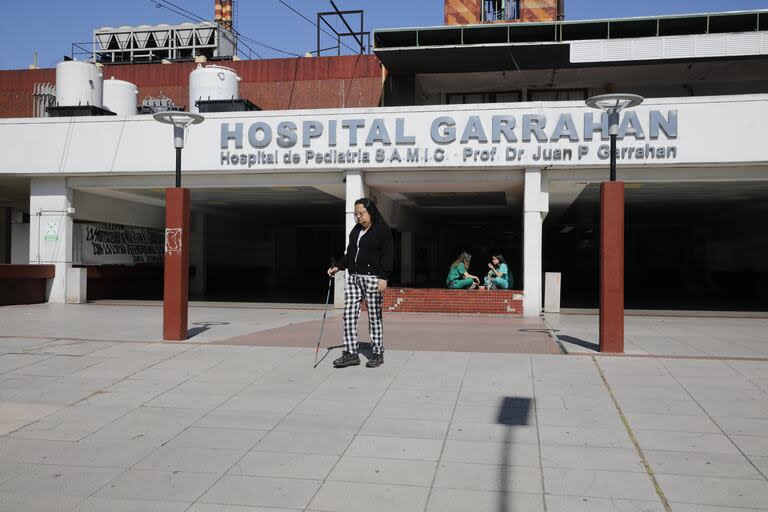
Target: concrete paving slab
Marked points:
672	422
319	442
155	423
695	442
591	504
188	459
460	500
285	465
9	470
465	430
488	477
730	492
65	347
702	464
113	505
384	471
395	448
15	345
599	484
415	411
394	427
71	423
217	438
261	491
588	458
210	507
36	503
480	452
598	437
120	454
761	463
752	446
689	507
10	362
56	366
48	480
238	420
578	418
353	496
321	424
158	485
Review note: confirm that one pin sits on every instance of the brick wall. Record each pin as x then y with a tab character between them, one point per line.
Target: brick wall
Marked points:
349	81
443	300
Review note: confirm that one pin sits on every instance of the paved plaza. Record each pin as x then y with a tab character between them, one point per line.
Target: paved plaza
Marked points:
97	414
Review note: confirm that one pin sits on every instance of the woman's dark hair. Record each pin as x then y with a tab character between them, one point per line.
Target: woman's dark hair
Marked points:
500	258
370	207
464	257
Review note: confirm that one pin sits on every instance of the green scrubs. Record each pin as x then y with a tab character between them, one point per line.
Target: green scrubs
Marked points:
456	280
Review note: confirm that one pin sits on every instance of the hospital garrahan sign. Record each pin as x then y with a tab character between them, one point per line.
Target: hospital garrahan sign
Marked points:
460	139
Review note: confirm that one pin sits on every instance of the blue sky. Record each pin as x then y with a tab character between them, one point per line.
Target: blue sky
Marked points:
51	26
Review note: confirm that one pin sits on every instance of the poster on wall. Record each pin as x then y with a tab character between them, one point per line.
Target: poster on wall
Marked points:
51	232
116	244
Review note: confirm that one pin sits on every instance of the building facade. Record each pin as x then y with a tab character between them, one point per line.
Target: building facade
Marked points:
469	136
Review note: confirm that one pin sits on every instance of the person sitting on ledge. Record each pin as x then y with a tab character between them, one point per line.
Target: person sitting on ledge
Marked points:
459	277
498	277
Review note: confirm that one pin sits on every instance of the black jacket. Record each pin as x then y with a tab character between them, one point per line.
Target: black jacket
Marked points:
375	256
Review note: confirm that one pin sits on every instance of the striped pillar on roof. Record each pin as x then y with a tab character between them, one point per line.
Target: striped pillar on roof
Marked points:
462	12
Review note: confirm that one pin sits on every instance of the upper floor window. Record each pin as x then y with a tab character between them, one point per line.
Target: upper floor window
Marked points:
557	94
482	97
501	10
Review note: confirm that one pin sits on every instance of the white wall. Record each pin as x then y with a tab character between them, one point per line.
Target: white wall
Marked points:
101	208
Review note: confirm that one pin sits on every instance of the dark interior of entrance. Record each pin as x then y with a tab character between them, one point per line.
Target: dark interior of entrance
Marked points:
688	246
446	224
276	253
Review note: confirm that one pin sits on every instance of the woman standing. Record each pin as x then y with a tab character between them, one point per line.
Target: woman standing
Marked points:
368	262
498	276
459	276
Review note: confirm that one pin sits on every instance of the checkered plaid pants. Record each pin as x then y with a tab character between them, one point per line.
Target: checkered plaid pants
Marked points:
356	288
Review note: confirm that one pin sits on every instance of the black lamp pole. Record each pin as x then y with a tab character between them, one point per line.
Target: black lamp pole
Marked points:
178	167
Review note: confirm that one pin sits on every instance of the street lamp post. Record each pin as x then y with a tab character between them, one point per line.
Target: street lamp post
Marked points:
612	230
176	260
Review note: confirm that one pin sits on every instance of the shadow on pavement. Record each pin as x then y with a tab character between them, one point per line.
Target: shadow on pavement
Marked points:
578	341
513	411
202	327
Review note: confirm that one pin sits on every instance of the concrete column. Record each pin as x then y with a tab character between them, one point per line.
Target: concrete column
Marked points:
197	254
535	208
50	233
407	260
354	190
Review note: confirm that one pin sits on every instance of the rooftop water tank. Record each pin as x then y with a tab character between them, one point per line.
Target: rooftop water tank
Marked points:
121	97
212	83
78	83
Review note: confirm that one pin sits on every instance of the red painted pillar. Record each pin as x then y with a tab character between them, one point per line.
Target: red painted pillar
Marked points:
612	266
176	269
